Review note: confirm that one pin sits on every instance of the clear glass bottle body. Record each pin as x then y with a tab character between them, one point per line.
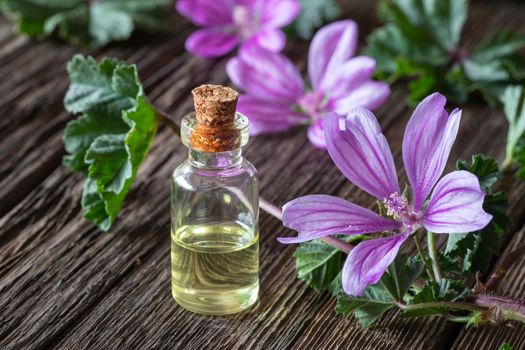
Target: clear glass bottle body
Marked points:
215	233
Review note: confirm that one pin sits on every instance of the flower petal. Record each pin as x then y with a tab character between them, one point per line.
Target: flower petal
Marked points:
279	13
368	261
320	215
429	136
265	75
316	134
331	46
456	205
361	152
351	74
211	43
206	12
269	39
268	116
370	95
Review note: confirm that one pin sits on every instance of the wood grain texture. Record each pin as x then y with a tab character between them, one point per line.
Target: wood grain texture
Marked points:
66	285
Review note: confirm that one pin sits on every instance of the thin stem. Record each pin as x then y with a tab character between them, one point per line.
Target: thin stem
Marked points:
449	305
505	308
505	264
277	213
165	119
432	252
423	257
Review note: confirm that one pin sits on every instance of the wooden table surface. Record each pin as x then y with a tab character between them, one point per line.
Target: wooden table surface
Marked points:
64	284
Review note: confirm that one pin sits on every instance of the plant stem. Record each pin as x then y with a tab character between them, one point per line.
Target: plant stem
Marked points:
505	308
432	252
423	257
442	305
165	119
504	266
277	213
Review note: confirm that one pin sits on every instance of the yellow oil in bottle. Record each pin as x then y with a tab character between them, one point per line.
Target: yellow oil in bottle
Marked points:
215	267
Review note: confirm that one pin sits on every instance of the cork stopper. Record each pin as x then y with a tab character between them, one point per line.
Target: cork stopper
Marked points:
215	105
216	127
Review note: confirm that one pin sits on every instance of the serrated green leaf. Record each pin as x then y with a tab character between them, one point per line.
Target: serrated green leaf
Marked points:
485	168
505	346
319	264
79	22
432	291
400	276
383	295
313	14
368	308
110	140
420	40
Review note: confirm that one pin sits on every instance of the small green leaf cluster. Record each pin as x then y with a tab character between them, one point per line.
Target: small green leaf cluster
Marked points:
85	23
421	41
313	14
111	137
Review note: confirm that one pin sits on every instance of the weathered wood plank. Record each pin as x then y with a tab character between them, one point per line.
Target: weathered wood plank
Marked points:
66	285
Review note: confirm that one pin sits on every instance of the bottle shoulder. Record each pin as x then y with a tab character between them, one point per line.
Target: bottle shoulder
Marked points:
187	171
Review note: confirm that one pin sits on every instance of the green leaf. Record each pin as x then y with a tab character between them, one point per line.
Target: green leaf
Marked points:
420	40
445	290
109	141
320	264
313	14
368	308
91	23
505	346
513	99
473	251
400	276
383	295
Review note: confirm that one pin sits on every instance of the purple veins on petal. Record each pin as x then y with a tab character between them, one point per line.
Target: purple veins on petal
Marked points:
456	205
368	261
361	152
331	47
317	216
428	139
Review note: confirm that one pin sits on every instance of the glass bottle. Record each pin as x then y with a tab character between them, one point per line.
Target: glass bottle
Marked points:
214	221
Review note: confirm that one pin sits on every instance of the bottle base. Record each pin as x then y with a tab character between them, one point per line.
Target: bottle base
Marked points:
216	303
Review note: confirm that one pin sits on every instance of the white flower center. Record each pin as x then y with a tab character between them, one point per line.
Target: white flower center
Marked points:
245	22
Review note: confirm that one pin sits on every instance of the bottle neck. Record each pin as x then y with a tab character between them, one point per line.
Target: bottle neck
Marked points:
215	160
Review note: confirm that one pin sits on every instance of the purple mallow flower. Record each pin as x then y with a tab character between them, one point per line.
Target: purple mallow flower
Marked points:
276	98
228	23
361	152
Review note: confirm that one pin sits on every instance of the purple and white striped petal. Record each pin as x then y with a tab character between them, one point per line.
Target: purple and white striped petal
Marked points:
269	39
279	13
268	116
429	136
370	95
266	75
206	12
368	261
350	75
316	216
316	134
331	47
456	205
211	42
361	152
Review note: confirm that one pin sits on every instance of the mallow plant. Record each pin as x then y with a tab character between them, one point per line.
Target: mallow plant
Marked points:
375	276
